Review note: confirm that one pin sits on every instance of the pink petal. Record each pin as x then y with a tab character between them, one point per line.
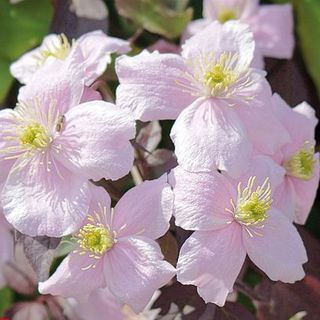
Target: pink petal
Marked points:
164	46
90	95
284	199
211	260
200	199
28	64
211	7
233	37
209	135
262	167
100	305
134	269
59	83
95	141
306	192
302	117
273	27
266	132
73	278
146	209
7	123
97	48
278	250
193	28
258	60
52	203
149	85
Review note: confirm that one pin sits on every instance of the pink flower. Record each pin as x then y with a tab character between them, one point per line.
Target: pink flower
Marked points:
296	195
232	218
222	104
272	25
95	46
117	247
50	145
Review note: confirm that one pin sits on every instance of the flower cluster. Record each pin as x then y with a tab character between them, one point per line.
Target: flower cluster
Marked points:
247	167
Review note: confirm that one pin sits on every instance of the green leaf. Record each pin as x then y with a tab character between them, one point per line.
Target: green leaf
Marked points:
6	298
308	13
156	16
22	26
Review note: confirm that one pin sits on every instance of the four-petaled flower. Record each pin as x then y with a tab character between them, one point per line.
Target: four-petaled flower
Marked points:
117	248
222	105
51	144
232	218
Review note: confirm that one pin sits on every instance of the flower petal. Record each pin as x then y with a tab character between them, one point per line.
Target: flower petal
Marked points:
266	132
193	28
302	117
149	85
73	278
145	209
211	8
100	305
200	199
211	260
209	136
97	48
95	141
273	28
59	82
134	269
232	37
278	250
305	192
37	201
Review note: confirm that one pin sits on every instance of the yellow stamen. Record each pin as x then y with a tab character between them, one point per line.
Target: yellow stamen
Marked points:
220	76
34	136
95	238
59	51
301	164
252	206
226	15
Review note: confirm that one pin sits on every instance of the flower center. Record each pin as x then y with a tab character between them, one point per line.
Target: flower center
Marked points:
226	15
34	136
301	164
59	49
219	77
252	206
95	238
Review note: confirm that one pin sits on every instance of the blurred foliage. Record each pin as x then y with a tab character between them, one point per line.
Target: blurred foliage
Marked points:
6	299
164	17
308	25
22	26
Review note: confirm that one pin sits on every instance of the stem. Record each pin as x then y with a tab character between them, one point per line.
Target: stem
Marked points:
136	175
136	36
248	291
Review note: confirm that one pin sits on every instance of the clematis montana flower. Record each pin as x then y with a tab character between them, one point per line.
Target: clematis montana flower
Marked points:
233	218
272	25
117	247
299	159
50	145
222	105
96	48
